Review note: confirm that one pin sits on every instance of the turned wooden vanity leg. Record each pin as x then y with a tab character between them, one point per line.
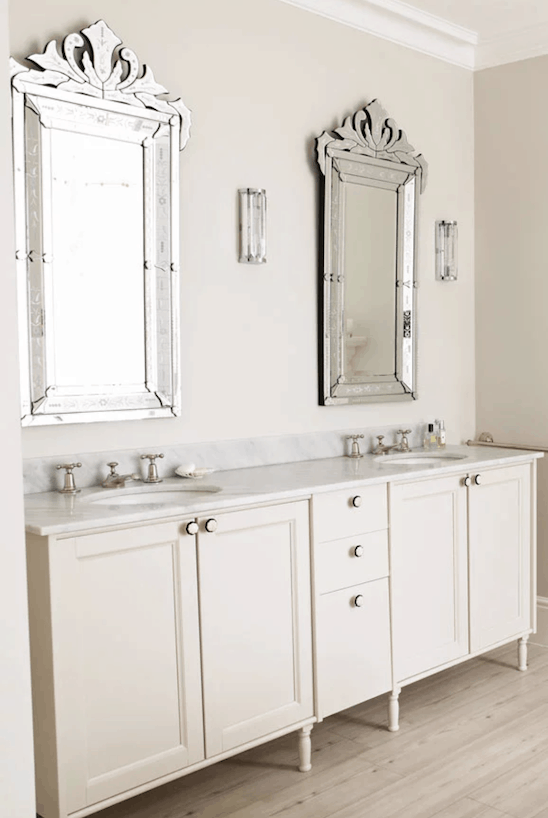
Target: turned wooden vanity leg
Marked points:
305	749
394	710
522	653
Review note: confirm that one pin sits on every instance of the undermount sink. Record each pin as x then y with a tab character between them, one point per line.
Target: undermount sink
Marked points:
160	495
420	458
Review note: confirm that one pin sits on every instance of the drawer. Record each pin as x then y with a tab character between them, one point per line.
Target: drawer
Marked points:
357	559
353	645
339	514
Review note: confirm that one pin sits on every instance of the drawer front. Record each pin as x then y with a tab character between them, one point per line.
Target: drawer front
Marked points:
357	559
353	646
339	514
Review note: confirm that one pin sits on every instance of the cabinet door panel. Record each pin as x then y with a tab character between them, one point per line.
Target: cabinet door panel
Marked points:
353	646
500	536
429	574
256	629
127	603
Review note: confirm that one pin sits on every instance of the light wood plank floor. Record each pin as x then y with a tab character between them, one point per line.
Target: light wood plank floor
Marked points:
473	743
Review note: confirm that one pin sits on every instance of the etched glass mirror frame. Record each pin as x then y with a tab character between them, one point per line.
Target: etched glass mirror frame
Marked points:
92	99
368	149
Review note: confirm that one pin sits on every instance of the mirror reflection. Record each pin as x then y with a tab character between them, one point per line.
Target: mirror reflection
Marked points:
102	179
370	270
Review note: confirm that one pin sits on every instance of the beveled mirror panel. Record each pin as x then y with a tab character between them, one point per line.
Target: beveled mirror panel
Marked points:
372	181
96	162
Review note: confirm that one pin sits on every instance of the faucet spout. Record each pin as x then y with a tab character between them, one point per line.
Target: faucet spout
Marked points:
115	480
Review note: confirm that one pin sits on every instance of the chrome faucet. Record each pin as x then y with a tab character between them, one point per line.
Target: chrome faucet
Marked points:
403	445
382	448
69	486
152	471
355	453
114	480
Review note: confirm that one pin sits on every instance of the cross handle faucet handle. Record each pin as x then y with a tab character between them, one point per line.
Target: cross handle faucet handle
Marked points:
355	453
152	471
69	486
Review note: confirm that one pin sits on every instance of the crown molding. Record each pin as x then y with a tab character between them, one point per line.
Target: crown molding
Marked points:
402	24
406	25
522	44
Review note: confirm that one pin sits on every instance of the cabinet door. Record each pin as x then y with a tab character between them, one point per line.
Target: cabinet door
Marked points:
429	574
126	659
256	629
500	555
353	646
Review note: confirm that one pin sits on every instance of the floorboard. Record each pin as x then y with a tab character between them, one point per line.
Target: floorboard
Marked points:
473	743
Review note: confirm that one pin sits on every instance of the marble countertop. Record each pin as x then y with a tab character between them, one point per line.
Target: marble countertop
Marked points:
58	514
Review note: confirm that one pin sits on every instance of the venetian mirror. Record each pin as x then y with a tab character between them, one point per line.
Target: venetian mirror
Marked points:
372	182
96	164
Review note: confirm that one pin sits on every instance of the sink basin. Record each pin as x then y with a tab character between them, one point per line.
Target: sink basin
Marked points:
141	495
420	458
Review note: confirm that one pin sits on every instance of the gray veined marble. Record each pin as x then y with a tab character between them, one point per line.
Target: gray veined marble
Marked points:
40	474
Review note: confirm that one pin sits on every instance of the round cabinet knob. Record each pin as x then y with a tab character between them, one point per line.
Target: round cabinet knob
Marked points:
192	528
357	501
467	482
358	551
359	601
478	480
211	525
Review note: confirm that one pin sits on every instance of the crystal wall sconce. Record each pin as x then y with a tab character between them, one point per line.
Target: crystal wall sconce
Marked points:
446	251
252	225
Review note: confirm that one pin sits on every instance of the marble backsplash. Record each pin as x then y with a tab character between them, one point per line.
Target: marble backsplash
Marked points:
41	474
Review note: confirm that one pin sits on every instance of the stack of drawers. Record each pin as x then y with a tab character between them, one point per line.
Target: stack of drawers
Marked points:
351	590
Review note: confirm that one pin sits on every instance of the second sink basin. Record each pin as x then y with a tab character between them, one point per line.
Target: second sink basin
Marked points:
141	495
420	458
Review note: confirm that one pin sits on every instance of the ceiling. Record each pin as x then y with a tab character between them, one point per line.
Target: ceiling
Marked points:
474	34
488	18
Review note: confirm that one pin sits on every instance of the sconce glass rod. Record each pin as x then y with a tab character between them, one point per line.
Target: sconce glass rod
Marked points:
446	251
252	225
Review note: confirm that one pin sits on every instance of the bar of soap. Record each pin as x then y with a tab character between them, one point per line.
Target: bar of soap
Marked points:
187	468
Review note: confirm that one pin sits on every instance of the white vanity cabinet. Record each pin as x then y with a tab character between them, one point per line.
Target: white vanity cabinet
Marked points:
158	648
128	633
461	566
351	571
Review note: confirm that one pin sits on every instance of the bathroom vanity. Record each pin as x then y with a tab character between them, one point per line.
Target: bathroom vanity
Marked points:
172	630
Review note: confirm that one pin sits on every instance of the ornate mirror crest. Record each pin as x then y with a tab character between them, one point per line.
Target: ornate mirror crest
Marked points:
373	177
97	192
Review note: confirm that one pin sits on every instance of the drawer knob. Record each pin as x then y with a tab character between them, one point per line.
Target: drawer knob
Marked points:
478	479
211	525
357	501
192	528
467	482
358	601
358	551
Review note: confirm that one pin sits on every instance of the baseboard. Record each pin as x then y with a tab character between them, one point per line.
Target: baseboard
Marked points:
541	636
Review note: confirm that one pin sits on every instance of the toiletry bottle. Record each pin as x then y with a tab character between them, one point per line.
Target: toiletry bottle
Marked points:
430	440
441	434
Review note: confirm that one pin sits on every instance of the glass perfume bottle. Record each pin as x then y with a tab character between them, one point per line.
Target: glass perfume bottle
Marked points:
430	438
440	434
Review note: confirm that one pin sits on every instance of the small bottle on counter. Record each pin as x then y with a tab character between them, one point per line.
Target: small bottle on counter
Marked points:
440	434
430	439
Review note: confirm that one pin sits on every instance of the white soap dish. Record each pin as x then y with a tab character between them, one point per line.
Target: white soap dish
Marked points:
195	474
